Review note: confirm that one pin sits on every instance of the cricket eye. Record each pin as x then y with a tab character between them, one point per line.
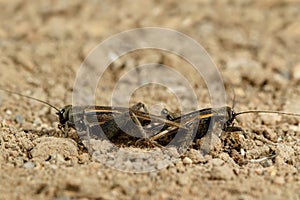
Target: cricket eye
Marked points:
59	112
62	111
164	111
233	114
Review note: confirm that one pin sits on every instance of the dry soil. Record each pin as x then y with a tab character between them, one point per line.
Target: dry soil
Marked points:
254	44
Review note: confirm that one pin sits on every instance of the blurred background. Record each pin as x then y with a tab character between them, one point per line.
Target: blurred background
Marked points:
254	44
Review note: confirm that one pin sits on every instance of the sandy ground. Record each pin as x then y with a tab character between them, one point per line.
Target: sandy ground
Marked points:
255	45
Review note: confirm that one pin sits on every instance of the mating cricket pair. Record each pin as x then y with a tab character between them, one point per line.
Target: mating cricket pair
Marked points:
137	123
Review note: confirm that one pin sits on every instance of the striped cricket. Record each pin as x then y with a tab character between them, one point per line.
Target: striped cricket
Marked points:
113	120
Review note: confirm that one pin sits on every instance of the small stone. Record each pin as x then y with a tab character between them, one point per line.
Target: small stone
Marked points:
8	112
266	163
59	158
83	158
270	134
279	160
29	165
53	166
195	156
289	139
19	161
285	152
161	164
58	149
236	171
20	119
294	128
187	161
243	152
259	143
222	173
279	139
37	122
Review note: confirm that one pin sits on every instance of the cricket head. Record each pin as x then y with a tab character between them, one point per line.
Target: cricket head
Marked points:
230	115
64	114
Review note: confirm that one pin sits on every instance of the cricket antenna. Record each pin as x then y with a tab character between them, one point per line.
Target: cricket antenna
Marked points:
29	97
267	111
233	100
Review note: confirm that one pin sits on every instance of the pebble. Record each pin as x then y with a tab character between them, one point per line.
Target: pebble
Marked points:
8	112
59	158
285	152
243	152
187	161
195	156
222	173
270	134
55	148
83	158
37	122
289	139
29	165
53	166
294	128
20	119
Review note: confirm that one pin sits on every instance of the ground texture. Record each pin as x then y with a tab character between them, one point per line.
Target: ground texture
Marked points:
255	45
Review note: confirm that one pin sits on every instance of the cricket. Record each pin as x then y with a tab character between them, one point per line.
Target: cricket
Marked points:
156	130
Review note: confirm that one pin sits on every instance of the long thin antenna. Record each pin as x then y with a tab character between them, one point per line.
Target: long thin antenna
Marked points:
29	97
233	100
267	111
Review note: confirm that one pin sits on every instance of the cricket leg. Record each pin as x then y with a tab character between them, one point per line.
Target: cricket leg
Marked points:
88	145
65	129
167	114
148	142
140	106
144	139
141	131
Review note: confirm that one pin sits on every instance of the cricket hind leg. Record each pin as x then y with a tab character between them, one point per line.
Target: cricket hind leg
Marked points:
139	131
125	125
140	106
143	140
119	124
